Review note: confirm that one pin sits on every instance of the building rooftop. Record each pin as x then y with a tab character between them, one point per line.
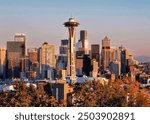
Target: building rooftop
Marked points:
106	38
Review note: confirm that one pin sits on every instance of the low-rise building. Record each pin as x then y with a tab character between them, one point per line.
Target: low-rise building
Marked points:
60	91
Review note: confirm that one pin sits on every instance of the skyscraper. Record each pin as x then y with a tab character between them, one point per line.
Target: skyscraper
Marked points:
124	60
79	63
20	37
2	62
33	55
95	68
63	55
16	56
115	54
95	52
105	53
87	66
115	67
33	62
83	40
81	51
47	58
71	24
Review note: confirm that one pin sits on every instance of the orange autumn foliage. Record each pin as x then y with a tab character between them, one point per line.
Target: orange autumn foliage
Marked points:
121	93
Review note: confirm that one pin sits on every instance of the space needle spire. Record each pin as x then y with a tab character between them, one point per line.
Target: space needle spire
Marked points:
71	68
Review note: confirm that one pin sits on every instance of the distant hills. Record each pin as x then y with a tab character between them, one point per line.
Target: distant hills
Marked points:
143	58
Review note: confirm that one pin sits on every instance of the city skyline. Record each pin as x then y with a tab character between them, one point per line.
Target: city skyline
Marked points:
124	22
75	53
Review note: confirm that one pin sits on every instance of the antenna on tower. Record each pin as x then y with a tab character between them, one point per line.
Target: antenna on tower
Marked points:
71	15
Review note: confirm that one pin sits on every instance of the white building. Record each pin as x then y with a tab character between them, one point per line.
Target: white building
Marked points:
95	68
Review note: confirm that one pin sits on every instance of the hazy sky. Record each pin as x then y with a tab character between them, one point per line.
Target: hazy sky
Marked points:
125	22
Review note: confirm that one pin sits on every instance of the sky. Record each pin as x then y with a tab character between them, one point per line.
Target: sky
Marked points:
125	22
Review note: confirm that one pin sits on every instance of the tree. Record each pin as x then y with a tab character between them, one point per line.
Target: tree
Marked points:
121	93
24	96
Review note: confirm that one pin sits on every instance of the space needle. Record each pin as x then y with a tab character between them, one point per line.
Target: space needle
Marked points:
71	68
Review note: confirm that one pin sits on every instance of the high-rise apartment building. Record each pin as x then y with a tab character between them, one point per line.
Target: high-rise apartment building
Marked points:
16	56
71	68
47	58
105	53
2	63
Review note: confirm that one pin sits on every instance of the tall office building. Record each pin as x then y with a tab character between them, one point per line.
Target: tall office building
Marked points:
95	52
2	63
105	53
20	37
16	56
63	55
87	66
33	55
63	49
79	63
132	61
64	42
82	43
83	40
115	54
124	60
72	24
47	58
81	51
115	67
33	62
95	68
